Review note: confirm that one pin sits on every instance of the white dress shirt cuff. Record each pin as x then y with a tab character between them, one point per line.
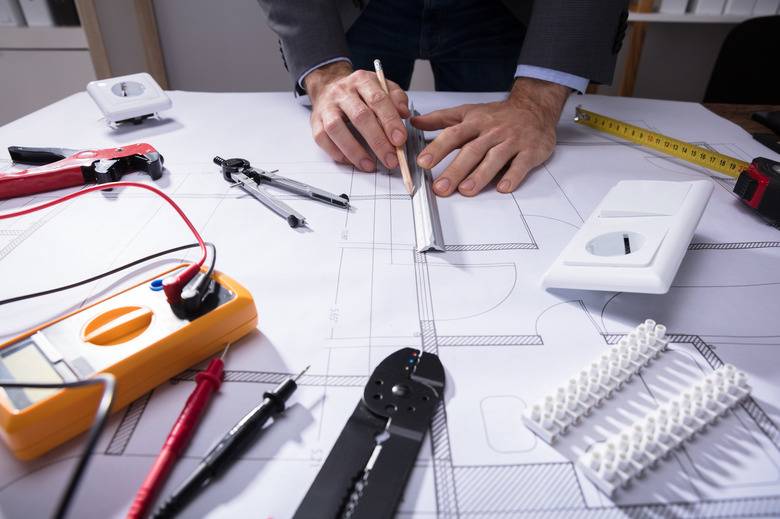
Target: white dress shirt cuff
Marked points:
580	84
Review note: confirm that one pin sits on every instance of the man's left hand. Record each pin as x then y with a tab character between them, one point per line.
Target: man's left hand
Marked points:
518	132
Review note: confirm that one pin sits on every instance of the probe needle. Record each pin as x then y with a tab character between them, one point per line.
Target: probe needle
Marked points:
229	446
208	382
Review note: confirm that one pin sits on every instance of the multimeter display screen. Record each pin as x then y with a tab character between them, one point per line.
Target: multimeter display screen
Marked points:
24	362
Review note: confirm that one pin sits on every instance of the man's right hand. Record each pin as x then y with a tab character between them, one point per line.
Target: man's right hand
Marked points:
341	95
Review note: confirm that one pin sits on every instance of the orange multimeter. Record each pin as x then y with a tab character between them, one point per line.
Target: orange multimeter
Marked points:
135	335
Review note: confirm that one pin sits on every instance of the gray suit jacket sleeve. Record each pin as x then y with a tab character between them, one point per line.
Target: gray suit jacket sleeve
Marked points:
310	31
576	36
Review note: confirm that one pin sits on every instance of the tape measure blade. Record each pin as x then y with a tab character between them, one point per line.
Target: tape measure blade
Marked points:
663	143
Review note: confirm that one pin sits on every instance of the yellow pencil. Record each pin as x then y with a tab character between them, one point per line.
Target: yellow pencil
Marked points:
403	164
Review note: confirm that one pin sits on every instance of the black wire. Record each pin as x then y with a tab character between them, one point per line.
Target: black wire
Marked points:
104	274
101	417
213	258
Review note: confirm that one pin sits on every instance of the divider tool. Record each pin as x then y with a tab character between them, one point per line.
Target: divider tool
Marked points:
241	173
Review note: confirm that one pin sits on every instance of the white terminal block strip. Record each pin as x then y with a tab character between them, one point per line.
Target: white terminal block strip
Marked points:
629	453
597	381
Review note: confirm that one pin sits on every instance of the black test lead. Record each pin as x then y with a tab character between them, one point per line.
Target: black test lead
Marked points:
229	446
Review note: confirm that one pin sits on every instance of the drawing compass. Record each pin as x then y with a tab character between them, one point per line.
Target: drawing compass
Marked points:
366	472
240	173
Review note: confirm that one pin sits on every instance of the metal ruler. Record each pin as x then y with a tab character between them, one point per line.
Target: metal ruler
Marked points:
427	225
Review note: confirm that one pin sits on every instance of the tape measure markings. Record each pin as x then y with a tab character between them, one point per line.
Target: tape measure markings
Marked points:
675	147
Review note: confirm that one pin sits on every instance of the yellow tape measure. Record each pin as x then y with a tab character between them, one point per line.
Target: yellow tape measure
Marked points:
674	147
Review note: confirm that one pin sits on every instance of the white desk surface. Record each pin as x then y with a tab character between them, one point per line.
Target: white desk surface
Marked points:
348	289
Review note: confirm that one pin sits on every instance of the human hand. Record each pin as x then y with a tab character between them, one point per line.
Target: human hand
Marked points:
340	95
518	132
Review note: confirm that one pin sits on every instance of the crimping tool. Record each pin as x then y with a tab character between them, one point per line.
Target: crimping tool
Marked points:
240	173
366	472
59	167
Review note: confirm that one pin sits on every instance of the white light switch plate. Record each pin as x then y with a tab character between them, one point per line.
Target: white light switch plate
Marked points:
635	239
128	97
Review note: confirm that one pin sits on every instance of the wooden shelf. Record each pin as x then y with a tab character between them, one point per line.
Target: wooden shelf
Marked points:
688	18
642	16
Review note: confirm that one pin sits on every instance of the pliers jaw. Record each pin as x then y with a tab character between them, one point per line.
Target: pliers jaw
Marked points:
111	170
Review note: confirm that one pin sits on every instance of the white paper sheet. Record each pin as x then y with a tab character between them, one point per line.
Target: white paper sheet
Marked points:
348	289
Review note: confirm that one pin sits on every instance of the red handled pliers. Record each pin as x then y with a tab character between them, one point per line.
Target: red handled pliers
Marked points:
59	168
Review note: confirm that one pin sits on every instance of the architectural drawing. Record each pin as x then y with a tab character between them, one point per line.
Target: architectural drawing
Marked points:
347	290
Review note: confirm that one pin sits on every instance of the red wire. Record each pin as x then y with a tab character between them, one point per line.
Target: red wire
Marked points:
172	285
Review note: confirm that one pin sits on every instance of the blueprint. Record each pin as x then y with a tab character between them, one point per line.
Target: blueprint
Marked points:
349	288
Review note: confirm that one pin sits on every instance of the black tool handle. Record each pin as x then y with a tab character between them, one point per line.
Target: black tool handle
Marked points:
331	489
38	156
366	472
228	448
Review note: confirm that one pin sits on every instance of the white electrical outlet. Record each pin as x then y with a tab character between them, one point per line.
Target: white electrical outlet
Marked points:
128	98
635	240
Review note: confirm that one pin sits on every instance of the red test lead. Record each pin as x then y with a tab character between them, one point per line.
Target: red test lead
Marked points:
207	382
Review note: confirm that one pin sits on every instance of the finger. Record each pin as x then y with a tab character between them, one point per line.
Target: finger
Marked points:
439	119
400	101
389	121
459	169
385	108
449	140
519	168
391	109
365	122
324	142
495	160
336	134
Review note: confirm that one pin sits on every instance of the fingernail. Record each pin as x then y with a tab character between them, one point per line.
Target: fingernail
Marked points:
366	165
441	185
398	137
468	184
424	161
391	159
504	186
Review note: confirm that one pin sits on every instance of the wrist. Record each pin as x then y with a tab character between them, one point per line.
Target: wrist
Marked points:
319	78
545	94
